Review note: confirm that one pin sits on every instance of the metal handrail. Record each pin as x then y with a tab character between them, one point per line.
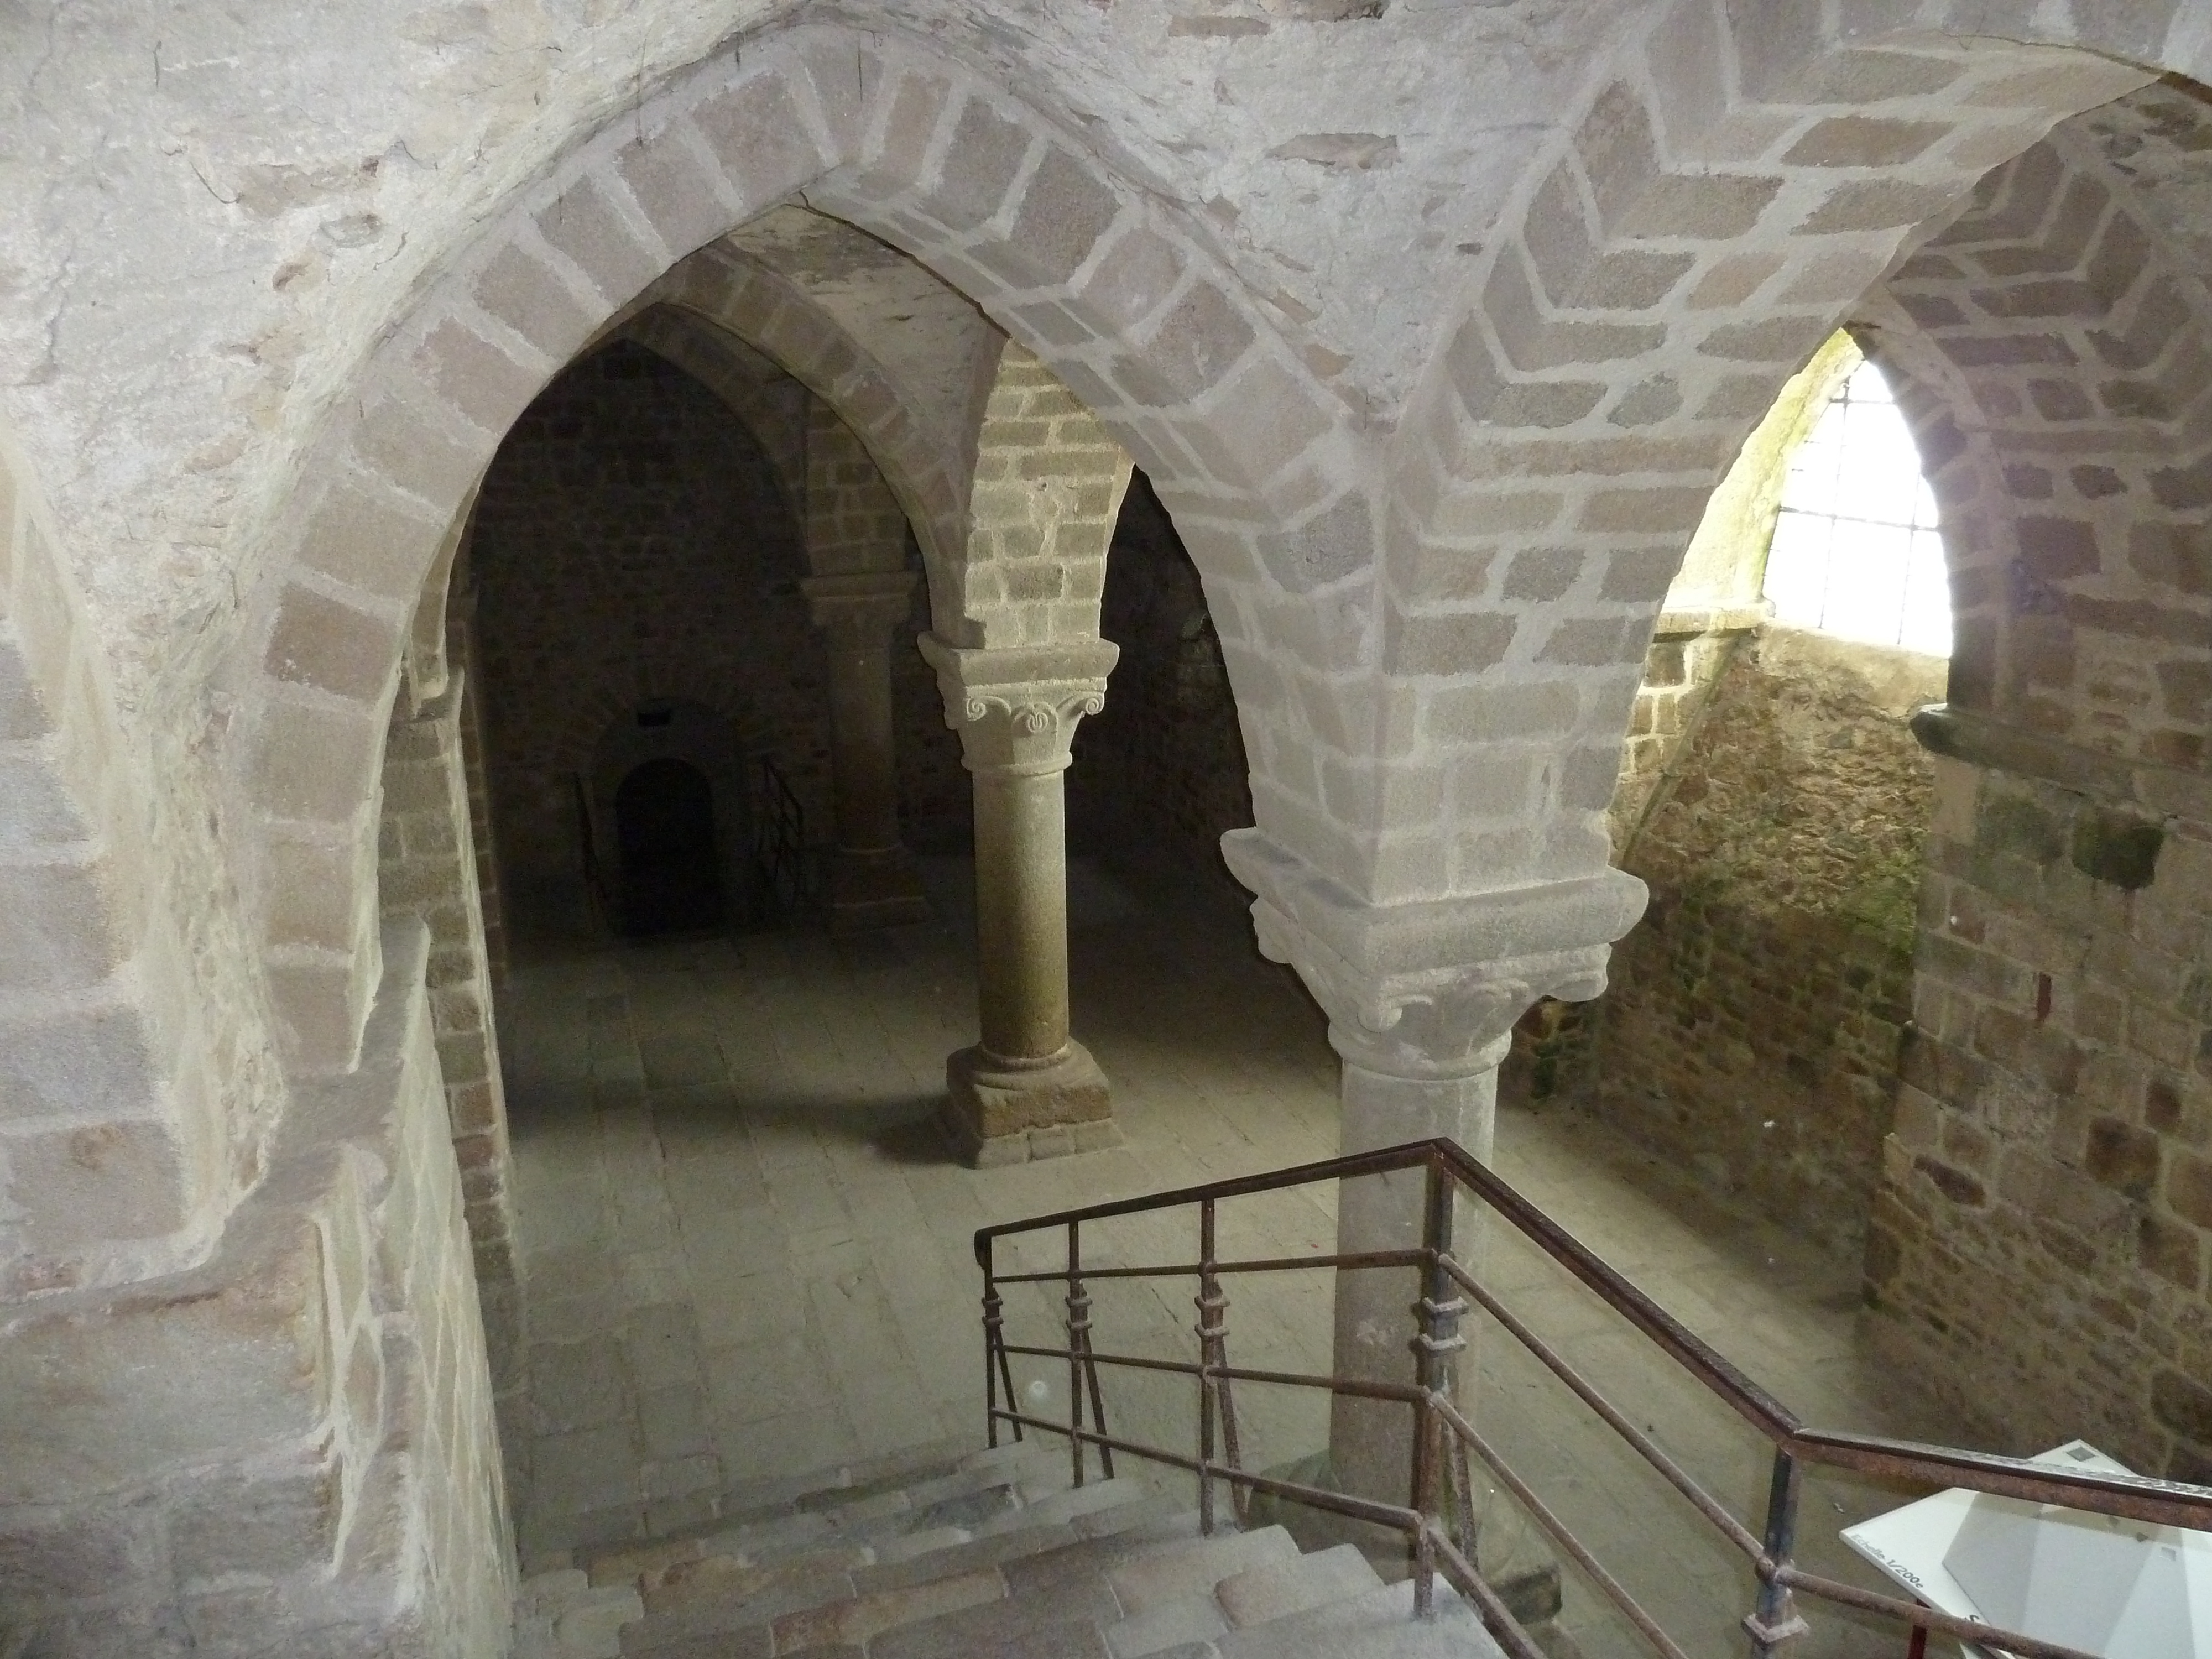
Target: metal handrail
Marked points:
780	855
1439	1524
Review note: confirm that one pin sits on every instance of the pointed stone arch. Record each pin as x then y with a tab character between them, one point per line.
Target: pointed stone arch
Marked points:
776	318
1120	298
2063	351
1736	181
738	375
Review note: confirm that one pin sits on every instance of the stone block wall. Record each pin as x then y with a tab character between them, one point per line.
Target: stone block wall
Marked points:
290	1446
2051	356
122	1141
246	1404
2039	1243
1365	618
1687	657
490	902
936	801
428	869
1752	1024
855	524
633	542
1159	773
1049	480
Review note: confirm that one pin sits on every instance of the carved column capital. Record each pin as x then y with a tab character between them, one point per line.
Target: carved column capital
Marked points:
1017	708
1431	989
872	601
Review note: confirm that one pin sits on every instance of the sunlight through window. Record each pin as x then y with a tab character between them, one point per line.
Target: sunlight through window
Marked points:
1857	551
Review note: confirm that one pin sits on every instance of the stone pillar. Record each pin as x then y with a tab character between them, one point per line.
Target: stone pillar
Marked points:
1421	999
1028	1090
1387	1102
872	881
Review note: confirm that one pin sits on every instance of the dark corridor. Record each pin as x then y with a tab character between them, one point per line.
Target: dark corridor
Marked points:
664	822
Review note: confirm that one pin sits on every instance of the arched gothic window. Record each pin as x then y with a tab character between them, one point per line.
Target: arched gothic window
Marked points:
1857	551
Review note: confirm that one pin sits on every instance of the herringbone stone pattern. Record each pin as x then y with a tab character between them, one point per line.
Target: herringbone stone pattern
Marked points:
748	1257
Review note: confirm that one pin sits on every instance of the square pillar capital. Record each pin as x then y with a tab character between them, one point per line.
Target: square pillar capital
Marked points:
1431	988
1017	708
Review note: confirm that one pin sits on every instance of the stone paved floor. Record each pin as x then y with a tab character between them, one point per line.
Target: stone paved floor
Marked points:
746	1255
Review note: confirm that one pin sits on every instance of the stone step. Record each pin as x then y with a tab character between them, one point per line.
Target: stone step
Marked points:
1379	1625
724	1597
1283	1589
962	1499
1070	1502
1058	1600
1070	1604
941	1557
721	1607
1178	1571
1173	1514
846	1482
843	1591
1174	1599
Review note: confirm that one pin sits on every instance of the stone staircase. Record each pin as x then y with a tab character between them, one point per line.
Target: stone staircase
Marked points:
989	1555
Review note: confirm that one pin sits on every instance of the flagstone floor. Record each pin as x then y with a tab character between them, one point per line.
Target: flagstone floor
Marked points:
748	1256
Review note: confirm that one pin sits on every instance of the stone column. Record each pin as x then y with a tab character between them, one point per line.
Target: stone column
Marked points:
1421	999
872	881
1028	1090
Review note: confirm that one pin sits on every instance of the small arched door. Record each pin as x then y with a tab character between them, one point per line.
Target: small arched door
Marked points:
664	826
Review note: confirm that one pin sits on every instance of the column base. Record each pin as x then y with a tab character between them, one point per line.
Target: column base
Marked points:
874	890
996	1115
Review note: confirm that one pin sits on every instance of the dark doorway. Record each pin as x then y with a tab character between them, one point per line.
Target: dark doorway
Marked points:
664	822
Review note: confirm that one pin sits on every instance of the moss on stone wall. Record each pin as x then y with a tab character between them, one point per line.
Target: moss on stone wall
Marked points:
1754	1019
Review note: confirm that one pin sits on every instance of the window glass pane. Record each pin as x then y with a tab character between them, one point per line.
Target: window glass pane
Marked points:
1797	568
1866	581
1856	550
1928	597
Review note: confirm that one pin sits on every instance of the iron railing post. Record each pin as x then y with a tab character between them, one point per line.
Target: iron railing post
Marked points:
1448	1433
1776	1621
1080	1343
1078	1328
1437	1341
994	1324
996	1370
1209	1303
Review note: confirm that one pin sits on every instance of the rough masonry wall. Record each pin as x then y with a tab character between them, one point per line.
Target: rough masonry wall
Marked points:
1680	669
1752	1027
2039	1246
631	543
854	524
936	801
2038	1239
1159	773
289	1448
118	1151
427	868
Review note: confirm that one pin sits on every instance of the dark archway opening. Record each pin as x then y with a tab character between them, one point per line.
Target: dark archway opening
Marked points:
664	826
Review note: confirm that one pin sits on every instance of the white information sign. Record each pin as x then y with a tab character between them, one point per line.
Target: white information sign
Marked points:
2123	1590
